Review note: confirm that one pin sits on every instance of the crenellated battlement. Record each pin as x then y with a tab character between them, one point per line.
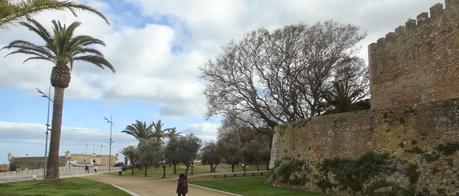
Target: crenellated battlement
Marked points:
416	62
416	26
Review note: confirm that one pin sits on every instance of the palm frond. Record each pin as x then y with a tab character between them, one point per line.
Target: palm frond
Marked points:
38	58
87	50
96	60
85	40
69	34
26	51
37	28
11	12
139	130
62	47
21	44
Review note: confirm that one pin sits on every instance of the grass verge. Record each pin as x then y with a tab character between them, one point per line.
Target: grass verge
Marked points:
250	185
67	187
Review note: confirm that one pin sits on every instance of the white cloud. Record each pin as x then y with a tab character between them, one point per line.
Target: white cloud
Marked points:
207	131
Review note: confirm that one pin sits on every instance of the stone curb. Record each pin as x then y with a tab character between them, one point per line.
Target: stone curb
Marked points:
224	192
125	190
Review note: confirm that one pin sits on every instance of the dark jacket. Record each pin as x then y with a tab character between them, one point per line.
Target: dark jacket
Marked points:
182	185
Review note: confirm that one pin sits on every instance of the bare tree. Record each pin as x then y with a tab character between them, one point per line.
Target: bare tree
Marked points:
278	76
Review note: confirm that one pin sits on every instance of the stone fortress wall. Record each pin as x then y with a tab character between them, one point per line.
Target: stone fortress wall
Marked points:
414	105
418	62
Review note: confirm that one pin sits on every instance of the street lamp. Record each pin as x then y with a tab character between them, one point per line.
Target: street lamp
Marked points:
111	141
47	125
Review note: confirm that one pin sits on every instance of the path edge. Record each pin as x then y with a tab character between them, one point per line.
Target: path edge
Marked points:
125	190
224	192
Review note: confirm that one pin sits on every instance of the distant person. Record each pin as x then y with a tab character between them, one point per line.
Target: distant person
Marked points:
95	166
86	168
182	185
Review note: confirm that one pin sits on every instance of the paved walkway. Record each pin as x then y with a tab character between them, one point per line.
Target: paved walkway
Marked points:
151	186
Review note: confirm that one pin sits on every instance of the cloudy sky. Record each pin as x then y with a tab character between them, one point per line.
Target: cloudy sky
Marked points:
157	48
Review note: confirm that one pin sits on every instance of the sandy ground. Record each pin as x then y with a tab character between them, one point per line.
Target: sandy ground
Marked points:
151	186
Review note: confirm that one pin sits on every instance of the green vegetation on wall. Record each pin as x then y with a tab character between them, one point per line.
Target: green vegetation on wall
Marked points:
353	174
366	175
290	172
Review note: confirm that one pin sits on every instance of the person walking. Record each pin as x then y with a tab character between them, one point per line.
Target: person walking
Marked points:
182	185
86	168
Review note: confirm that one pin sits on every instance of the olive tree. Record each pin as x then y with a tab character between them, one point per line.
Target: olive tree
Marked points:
211	156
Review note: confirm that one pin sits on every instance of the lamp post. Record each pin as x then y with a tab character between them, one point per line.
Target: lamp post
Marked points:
111	141
47	125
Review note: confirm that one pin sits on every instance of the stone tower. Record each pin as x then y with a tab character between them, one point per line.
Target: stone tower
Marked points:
417	63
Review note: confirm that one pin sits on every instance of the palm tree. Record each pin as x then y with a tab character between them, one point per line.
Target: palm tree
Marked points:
341	97
172	133
62	49
13	11
139	130
158	131
130	153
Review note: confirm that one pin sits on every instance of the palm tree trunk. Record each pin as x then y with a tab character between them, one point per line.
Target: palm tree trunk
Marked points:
52	171
132	168
145	174
175	168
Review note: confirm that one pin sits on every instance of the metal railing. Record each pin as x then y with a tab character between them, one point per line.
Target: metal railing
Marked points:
68	171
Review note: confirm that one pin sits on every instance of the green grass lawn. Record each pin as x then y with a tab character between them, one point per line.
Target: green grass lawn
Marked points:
68	186
251	186
200	169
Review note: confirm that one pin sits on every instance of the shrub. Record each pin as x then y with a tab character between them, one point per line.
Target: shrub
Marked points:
412	173
431	156
415	150
448	149
286	168
352	174
289	172
297	180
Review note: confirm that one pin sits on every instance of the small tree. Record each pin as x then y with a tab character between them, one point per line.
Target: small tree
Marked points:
171	152
130	153
211	156
163	161
187	150
149	153
255	152
231	153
